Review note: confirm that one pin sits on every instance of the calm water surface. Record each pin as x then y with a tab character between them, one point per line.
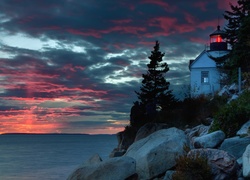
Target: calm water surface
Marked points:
35	157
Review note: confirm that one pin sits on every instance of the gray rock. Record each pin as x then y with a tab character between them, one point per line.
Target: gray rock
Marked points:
148	129
234	97
210	140
157	153
233	88
224	91
223	165
239	161
111	169
95	159
235	145
197	131
246	162
168	175
244	130
117	153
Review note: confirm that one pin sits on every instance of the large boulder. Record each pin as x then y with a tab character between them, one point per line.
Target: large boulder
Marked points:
235	145
244	130
223	165
195	132
246	162
169	175
210	140
157	153
148	129
111	169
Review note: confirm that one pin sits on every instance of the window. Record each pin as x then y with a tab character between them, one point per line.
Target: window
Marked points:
216	39
204	77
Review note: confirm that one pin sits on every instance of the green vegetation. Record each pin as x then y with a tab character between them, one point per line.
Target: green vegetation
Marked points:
191	111
189	168
233	115
238	37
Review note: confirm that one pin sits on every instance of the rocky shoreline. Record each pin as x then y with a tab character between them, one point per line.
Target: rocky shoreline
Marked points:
156	148
152	153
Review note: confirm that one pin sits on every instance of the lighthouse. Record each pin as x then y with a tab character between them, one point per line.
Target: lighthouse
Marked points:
205	76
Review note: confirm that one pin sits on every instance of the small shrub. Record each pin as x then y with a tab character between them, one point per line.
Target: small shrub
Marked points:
217	103
189	168
192	111
232	116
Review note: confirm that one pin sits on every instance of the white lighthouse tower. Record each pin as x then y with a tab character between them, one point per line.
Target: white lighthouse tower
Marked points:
204	74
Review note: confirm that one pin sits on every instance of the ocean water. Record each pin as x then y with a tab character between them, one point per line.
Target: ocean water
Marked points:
49	156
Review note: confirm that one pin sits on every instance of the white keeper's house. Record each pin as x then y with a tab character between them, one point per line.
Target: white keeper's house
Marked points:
204	75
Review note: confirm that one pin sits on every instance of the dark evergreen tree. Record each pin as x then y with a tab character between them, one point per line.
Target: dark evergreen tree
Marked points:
155	89
241	49
237	30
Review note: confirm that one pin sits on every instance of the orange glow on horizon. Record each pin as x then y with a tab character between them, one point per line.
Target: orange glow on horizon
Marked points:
53	128
28	121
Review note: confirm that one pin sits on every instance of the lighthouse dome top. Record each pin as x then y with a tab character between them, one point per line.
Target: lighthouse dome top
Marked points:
218	32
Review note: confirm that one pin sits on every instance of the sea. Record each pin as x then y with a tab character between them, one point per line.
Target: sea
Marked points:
49	156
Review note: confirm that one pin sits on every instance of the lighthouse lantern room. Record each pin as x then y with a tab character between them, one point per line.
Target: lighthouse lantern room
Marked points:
217	42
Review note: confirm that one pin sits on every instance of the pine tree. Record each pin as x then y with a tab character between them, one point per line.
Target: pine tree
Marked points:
155	89
237	30
241	49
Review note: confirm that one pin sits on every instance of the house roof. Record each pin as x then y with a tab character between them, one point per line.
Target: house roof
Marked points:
204	60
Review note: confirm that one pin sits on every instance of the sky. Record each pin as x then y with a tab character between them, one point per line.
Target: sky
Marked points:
72	66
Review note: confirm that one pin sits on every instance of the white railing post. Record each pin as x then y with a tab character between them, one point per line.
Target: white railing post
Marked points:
239	79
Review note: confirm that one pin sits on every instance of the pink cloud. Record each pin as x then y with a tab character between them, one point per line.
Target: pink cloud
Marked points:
211	23
170	26
121	21
98	33
161	3
27	19
225	5
190	19
72	68
198	40
120	46
166	24
93	33
124	29
201	5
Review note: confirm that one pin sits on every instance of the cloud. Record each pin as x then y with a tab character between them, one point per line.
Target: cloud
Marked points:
73	66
